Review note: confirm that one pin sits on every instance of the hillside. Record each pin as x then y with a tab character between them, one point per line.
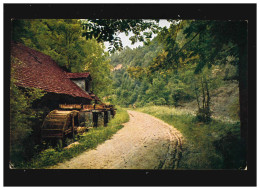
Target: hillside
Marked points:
134	84
225	102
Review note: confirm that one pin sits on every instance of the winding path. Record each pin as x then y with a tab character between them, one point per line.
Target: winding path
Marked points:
144	142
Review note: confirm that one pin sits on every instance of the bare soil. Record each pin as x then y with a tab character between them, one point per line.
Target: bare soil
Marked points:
144	142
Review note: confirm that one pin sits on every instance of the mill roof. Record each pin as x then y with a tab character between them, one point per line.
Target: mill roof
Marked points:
34	69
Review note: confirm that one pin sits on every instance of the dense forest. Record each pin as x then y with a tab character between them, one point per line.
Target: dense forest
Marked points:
189	63
154	75
163	87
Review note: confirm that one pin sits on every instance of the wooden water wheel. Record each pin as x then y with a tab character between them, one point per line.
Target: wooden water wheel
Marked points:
58	124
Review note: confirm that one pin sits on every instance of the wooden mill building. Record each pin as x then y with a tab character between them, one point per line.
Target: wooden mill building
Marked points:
68	104
33	69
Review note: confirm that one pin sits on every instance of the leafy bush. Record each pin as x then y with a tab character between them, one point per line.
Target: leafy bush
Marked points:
204	115
232	149
160	101
22	117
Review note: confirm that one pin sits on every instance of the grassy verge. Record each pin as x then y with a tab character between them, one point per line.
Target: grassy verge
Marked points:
86	141
215	145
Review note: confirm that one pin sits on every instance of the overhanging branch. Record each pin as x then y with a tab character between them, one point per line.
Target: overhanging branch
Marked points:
189	41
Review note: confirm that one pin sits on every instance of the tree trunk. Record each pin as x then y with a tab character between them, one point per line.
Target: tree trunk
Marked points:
197	96
203	93
243	91
208	96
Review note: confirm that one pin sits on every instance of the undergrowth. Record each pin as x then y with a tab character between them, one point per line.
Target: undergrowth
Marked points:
215	145
86	141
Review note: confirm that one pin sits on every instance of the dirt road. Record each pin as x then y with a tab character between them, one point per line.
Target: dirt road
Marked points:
144	142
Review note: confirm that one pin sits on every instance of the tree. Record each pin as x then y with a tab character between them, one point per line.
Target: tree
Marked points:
208	40
62	40
106	30
176	87
59	38
234	34
157	91
97	64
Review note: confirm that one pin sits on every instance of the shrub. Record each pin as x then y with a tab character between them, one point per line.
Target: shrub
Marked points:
203	115
160	101
22	118
232	149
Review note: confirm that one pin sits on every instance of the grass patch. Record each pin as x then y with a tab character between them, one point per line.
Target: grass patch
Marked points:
86	141
215	145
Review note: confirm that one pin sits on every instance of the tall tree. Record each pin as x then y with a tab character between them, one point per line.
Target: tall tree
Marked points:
233	33
59	38
208	40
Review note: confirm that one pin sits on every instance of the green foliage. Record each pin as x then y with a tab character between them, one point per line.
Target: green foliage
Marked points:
130	83
120	117
200	45
157	93
97	64
140	86
88	140
22	116
179	88
62	40
20	30
166	81
59	38
234	109
215	145
105	30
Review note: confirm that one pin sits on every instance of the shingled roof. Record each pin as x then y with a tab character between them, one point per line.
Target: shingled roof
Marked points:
37	70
